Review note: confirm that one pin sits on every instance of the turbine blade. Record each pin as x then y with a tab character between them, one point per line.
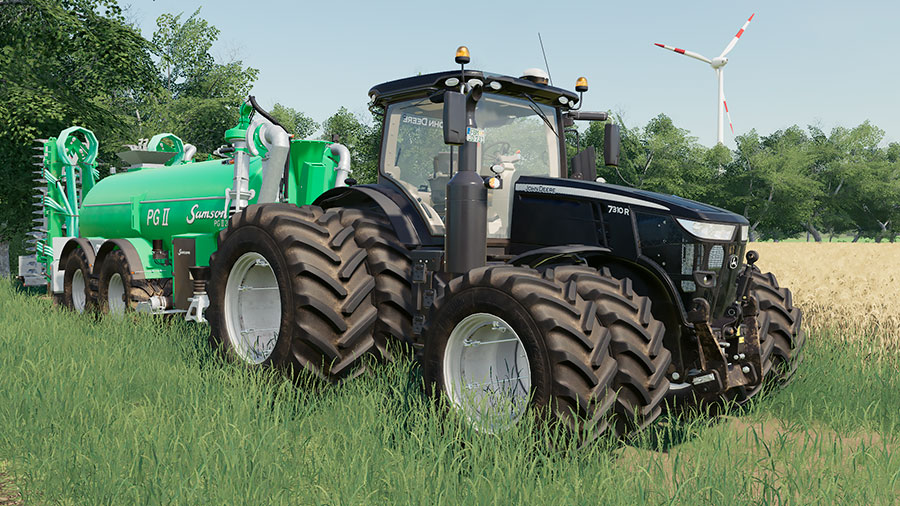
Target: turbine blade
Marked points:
725	103
696	56
734	41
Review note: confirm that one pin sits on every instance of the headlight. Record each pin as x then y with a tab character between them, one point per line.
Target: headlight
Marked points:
707	230
745	233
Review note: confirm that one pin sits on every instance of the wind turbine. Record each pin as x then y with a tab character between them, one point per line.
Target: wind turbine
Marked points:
718	64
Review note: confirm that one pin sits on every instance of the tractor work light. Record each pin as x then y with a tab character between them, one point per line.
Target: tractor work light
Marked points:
708	231
581	84
462	55
745	233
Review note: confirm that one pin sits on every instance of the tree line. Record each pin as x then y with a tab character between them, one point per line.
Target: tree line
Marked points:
65	62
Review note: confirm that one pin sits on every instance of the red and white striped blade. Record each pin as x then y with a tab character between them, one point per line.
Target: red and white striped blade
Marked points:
737	37
685	52
725	103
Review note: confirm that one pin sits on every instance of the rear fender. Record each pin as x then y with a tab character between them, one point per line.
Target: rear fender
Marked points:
134	249
74	244
409	226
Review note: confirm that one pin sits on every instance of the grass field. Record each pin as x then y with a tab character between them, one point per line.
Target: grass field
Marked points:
139	411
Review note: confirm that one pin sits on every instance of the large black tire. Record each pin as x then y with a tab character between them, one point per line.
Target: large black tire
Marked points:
134	290
327	315
636	344
780	333
78	272
567	346
389	262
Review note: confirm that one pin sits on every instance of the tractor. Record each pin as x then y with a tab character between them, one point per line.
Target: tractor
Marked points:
520	283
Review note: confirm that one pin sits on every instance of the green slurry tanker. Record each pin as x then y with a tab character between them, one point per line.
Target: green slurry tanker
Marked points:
522	283
128	242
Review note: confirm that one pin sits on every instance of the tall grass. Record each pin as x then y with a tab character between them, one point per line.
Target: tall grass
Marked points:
139	410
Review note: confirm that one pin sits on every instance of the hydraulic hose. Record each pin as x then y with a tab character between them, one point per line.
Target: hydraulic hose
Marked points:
287	160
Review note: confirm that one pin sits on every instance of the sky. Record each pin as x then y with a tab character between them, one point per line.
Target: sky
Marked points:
822	63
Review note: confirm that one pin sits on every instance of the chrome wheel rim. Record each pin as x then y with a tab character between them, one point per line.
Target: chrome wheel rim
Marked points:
487	375
252	308
115	294
78	298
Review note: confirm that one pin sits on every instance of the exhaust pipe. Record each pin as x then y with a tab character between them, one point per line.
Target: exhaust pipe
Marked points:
465	243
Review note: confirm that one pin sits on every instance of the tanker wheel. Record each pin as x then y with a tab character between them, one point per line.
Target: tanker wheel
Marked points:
119	292
77	294
636	344
389	262
503	339
289	287
780	333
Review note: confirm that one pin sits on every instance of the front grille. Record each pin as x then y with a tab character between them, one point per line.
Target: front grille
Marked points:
663	241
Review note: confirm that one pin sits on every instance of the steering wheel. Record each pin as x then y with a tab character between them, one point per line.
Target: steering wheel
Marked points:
494	150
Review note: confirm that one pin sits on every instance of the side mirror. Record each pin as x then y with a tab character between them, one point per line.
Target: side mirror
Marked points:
454	118
611	145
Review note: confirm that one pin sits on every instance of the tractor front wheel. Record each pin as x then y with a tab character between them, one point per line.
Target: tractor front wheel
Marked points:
504	339
780	333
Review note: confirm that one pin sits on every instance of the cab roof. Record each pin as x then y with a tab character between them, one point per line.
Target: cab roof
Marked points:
426	84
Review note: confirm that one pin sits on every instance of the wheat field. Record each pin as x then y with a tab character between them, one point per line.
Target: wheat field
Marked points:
853	288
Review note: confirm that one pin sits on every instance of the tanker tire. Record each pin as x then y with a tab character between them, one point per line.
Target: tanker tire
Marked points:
389	262
78	272
114	270
567	347
780	332
636	344
327	315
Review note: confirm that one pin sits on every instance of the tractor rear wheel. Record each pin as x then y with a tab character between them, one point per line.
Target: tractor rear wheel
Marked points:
289	287
389	262
636	344
77	294
780	333
119	292
503	339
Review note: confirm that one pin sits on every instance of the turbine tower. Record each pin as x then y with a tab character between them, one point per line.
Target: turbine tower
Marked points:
718	64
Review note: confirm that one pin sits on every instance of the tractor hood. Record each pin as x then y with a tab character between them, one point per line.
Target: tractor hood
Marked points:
624	196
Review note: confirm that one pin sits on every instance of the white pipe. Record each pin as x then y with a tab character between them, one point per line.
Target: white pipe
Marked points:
343	167
278	142
189	151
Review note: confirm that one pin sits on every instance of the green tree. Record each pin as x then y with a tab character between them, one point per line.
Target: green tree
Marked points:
771	182
660	157
362	139
295	122
62	63
197	98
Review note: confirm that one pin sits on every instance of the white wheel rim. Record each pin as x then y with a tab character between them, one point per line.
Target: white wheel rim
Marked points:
78	298
487	374
115	294
252	308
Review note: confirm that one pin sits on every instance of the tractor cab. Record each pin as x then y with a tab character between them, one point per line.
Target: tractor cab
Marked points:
519	133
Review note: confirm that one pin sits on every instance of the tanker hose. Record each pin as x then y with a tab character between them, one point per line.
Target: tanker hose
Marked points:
343	167
263	112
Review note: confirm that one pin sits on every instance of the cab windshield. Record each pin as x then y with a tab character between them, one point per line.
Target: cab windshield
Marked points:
516	135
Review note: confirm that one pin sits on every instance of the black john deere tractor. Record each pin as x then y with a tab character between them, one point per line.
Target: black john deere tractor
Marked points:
519	281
